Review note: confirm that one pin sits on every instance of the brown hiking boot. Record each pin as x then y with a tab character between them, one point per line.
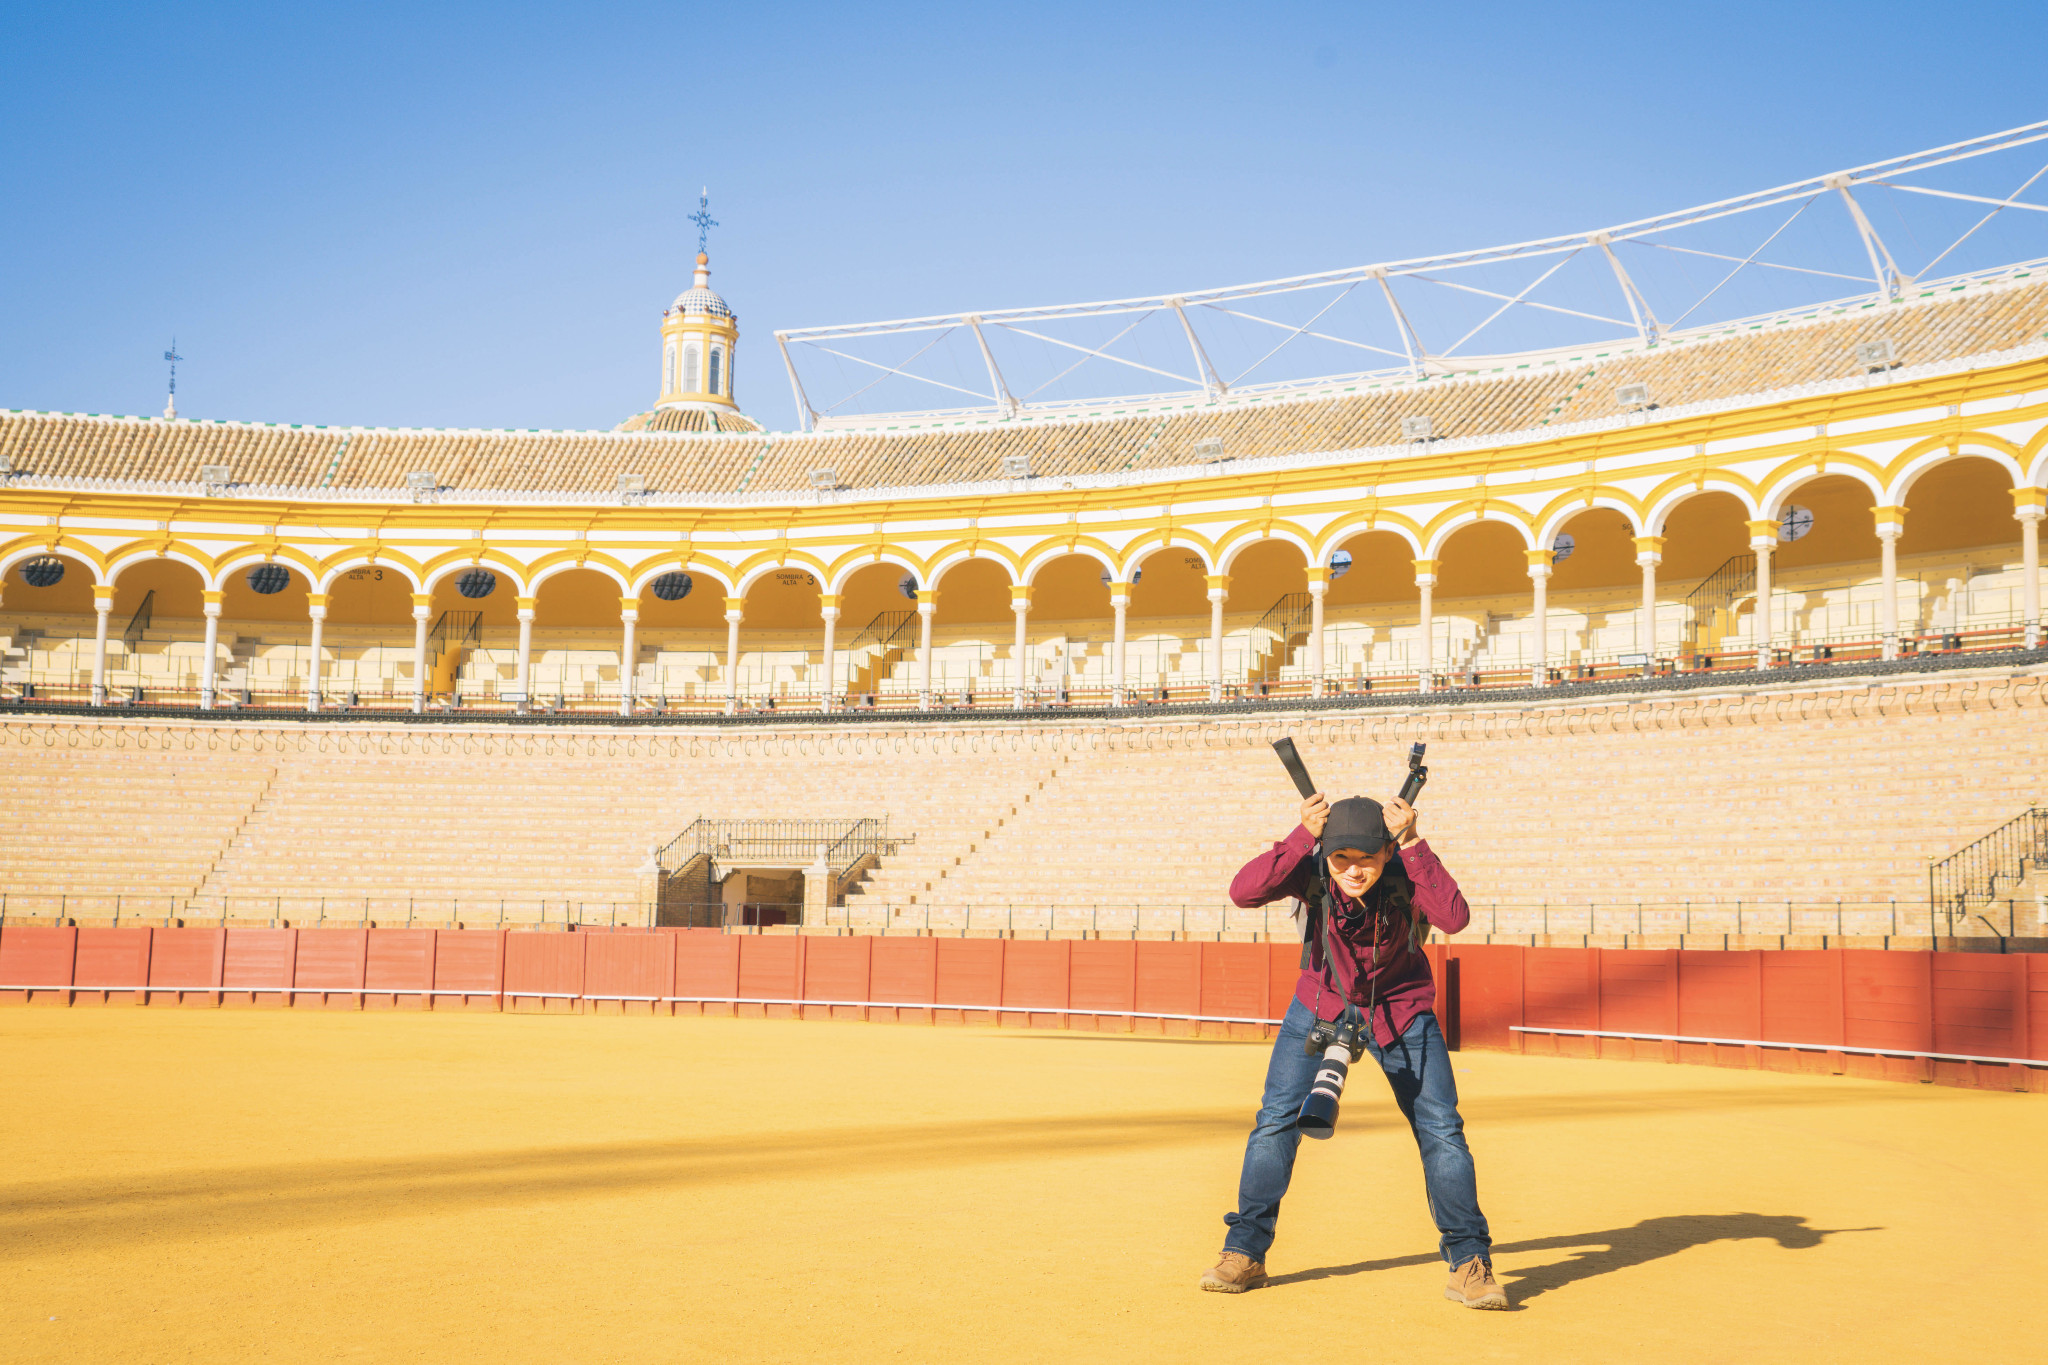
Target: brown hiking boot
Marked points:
1234	1274
1473	1285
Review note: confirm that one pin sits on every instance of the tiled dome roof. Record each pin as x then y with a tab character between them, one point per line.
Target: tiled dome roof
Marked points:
700	300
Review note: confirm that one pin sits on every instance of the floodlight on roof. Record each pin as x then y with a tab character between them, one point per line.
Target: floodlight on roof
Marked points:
631	485
1877	355
824	478
216	477
1418	429
1210	447
1633	396
1016	466
422	481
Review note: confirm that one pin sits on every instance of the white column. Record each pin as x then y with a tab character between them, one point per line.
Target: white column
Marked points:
422	607
1649	554
927	605
1540	562
1891	524
1763	538
103	607
207	667
316	608
1120	603
1318	588
1219	590
1020	605
828	607
525	695
1425	581
629	655
735	612
2029	505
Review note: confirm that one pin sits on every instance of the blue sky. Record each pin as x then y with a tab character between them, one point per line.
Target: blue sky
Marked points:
449	215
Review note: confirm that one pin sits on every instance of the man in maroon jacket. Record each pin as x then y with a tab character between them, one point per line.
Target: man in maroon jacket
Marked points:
1361	873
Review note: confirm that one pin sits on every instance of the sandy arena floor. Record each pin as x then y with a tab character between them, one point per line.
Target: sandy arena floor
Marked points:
222	1186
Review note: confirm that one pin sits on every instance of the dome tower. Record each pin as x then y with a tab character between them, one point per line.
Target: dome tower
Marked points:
698	336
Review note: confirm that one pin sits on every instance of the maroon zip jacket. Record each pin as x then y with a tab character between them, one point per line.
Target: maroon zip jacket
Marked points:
1401	971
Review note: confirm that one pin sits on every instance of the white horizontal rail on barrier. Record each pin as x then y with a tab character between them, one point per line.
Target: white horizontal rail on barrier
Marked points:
1802	1047
665	1000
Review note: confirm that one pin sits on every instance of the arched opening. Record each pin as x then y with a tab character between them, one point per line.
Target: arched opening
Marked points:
680	637
878	630
1827	581
576	638
265	631
48	623
1594	611
1370	621
781	640
691	356
473	634
1166	627
366	642
1070	632
1481	617
1267	618
1711	573
1961	546
973	629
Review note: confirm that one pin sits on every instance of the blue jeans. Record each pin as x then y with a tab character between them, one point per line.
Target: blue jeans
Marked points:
1418	1067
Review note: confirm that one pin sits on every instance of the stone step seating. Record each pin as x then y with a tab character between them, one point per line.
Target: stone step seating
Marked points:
434	827
1612	818
143	822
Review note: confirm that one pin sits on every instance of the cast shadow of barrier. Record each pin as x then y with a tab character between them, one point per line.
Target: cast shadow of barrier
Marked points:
1609	1250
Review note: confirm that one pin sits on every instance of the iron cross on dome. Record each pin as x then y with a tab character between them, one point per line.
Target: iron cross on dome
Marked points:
703	219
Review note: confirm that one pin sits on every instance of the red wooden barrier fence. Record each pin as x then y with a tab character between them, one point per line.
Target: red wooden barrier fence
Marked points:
1959	1017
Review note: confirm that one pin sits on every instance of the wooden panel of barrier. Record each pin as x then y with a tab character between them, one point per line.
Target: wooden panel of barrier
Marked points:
112	966
257	966
770	970
185	965
837	970
1236	983
1169	982
544	972
970	976
469	968
1105	976
330	968
1489	993
905	971
1036	975
36	964
398	969
1980	1004
1887	1000
628	973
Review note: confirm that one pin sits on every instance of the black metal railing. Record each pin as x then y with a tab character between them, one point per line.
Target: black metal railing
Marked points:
1973	875
139	622
1288	617
884	632
1711	606
787	843
455	630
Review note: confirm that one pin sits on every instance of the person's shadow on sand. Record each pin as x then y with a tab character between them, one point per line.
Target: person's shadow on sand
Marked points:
1613	1249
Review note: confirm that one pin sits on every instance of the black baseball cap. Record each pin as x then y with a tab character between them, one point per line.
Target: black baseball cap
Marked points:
1355	822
